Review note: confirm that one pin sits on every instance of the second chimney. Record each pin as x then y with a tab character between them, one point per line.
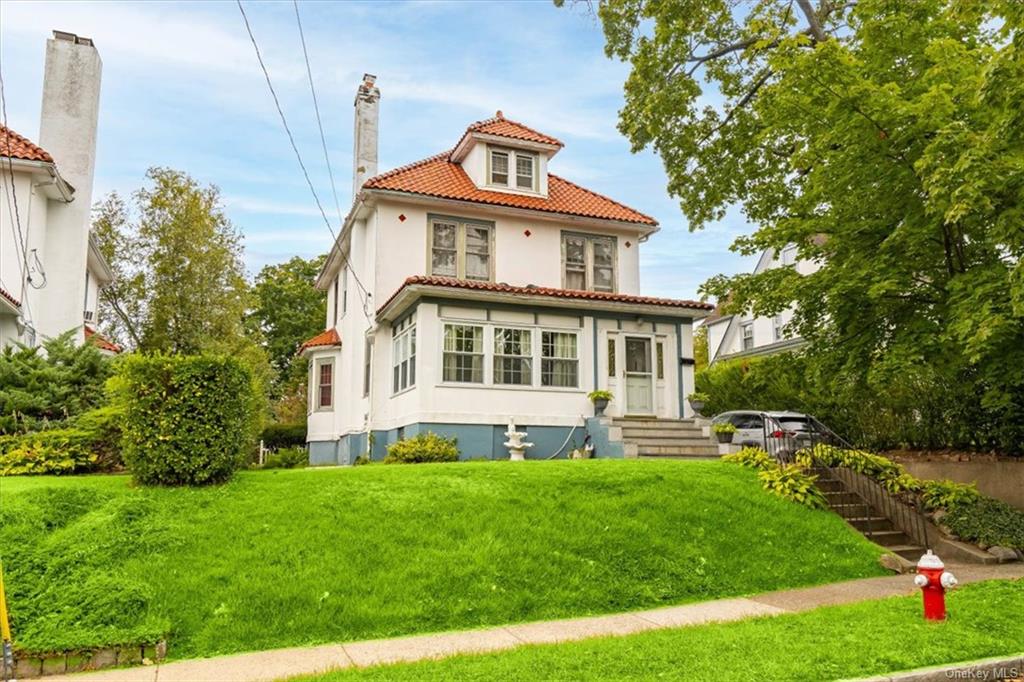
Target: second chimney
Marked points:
364	152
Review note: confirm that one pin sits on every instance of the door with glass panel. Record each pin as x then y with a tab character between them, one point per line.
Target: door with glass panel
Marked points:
639	376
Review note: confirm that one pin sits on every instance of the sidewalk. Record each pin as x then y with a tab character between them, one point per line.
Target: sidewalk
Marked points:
276	664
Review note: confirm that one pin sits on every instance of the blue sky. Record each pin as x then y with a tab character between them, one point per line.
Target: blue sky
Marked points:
182	88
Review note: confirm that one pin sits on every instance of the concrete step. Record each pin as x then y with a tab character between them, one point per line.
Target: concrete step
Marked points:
653	440
637	432
909	552
829	485
699	450
875	523
705	458
889	538
842	497
849	511
675	424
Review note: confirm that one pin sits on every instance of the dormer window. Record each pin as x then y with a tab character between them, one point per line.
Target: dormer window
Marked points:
501	162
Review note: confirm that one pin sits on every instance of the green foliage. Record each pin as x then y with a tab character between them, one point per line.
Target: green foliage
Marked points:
698	396
39	388
948	495
58	451
287	458
883	140
423	447
986	521
276	436
700	348
723	427
600	394
793	483
754	458
187	420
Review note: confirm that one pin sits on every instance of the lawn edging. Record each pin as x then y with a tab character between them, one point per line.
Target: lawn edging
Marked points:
29	665
998	668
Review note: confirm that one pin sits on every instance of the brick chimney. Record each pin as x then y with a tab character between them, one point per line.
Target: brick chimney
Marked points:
364	152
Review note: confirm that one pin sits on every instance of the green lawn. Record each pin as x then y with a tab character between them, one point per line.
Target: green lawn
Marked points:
859	640
280	558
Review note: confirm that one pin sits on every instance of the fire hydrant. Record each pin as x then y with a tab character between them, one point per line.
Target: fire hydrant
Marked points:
934	581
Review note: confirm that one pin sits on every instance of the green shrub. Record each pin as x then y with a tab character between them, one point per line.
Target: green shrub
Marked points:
723	427
984	520
755	458
276	436
424	447
104	425
187	419
600	394
58	451
947	495
793	483
287	458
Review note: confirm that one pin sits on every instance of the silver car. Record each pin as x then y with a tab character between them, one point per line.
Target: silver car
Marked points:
779	433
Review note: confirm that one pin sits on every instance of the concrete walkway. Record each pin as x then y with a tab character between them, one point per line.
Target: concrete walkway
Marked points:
276	664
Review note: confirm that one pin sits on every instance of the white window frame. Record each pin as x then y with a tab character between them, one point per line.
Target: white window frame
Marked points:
512	174
575	360
318	384
588	260
461	225
483	354
745	336
528	356
403	355
778	328
344	291
788	255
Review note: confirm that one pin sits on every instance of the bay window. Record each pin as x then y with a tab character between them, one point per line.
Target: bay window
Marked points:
463	359
513	362
403	355
461	248
588	262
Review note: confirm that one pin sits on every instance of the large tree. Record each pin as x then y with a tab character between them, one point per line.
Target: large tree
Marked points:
885	138
180	282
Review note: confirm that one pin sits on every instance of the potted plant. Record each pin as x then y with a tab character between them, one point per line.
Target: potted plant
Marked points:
697	401
723	431
600	400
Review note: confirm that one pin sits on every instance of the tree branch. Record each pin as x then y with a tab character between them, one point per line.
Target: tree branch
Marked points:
813	23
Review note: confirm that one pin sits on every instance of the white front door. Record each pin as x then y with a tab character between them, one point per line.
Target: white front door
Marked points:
639	377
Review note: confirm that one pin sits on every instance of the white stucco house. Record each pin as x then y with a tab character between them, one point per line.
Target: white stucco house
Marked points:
734	336
474	287
50	268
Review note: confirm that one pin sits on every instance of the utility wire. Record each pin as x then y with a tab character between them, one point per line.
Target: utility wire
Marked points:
298	156
16	223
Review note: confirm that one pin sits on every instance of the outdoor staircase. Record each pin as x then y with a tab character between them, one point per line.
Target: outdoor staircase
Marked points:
866	518
665	438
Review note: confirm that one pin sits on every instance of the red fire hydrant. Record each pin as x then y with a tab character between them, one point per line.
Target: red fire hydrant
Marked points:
934	581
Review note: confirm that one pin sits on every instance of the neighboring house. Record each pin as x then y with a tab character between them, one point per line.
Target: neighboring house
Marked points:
732	336
475	287
50	268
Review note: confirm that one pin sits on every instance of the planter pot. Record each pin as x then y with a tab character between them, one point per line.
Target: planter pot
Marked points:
724	437
599	406
698	406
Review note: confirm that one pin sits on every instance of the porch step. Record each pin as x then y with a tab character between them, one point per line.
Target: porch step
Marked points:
643	441
680	457
837	497
874	523
660	424
638	432
889	538
684	450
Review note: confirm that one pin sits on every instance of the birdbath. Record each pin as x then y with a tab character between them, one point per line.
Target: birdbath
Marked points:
516	447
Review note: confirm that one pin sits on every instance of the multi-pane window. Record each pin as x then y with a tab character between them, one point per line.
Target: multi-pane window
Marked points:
747	331
559	364
324	384
788	255
588	262
660	353
499	167
513	356
777	327
460	249
403	355
515	169
463	359
611	357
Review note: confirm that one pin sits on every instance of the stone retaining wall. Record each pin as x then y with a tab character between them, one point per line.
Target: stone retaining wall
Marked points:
28	666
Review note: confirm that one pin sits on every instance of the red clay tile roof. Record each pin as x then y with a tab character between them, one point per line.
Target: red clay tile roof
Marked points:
438	177
503	127
544	292
325	338
15	146
15	302
100	341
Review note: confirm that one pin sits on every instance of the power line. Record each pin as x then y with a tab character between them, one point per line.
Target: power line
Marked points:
316	108
19	237
298	156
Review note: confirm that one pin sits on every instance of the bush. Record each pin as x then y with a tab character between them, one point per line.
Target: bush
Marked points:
187	419
58	451
793	483
284	435
104	426
986	521
287	458
755	458
947	495
425	447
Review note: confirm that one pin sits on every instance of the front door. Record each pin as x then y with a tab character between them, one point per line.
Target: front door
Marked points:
639	377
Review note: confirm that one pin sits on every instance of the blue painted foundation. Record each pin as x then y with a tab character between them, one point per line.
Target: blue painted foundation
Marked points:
475	441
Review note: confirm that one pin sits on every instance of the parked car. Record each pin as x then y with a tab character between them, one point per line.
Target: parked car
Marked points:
779	433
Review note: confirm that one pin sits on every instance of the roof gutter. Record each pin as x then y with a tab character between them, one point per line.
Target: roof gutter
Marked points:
56	187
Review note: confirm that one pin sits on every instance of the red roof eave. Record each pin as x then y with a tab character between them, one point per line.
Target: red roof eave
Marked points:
328	337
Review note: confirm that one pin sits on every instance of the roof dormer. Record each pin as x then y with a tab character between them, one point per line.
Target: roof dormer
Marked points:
505	156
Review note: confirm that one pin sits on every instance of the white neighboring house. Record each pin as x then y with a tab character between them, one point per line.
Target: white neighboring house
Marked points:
475	287
50	268
732	336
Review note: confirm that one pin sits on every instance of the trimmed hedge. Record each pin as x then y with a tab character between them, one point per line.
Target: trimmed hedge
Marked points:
188	420
424	447
277	436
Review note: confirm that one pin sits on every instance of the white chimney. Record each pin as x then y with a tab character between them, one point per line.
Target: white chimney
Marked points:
364	138
67	129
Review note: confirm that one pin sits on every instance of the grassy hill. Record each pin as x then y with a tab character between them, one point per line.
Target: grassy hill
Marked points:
281	558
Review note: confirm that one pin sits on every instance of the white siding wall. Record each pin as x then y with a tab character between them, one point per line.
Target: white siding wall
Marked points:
33	213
